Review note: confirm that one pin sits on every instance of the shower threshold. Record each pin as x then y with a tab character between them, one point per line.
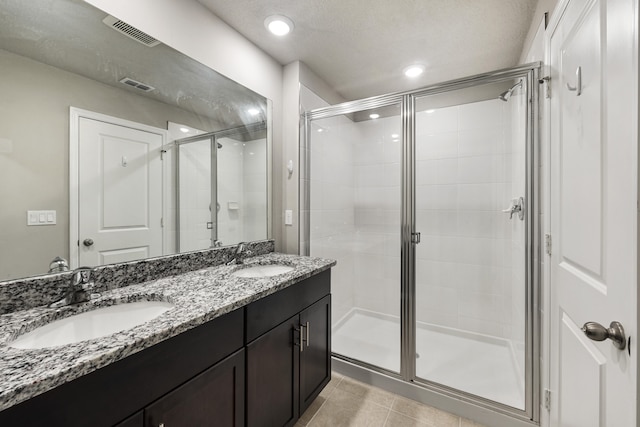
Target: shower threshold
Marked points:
474	363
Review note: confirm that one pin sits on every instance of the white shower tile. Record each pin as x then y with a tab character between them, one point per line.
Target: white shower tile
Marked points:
438	248
436	273
482	142
436	145
482	278
438	121
436	299
440	171
437	223
437	197
480	115
484	169
367	175
489	196
391	175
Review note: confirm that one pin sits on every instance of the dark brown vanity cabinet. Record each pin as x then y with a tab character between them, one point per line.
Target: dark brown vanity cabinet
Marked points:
260	365
288	352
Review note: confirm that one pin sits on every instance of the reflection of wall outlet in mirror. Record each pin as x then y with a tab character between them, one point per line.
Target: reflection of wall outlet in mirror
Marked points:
41	217
288	217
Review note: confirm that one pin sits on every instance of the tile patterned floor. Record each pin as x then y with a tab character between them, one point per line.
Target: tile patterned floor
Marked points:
348	403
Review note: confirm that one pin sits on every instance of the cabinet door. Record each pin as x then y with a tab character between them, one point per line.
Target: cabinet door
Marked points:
315	359
213	398
272	376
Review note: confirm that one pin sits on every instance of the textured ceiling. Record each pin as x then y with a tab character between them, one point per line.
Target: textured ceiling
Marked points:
361	47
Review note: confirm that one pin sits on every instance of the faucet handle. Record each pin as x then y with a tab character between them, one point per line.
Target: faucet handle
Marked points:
81	276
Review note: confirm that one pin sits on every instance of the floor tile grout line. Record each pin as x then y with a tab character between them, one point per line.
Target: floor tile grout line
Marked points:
325	401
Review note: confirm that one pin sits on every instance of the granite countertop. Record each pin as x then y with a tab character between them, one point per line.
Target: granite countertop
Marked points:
198	296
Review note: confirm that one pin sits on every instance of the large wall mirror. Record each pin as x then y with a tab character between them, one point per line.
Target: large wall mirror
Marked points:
115	147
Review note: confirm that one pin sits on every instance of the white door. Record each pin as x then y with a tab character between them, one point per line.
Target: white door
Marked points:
593	266
120	193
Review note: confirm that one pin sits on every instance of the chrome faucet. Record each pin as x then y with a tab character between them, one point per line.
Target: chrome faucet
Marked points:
240	253
78	290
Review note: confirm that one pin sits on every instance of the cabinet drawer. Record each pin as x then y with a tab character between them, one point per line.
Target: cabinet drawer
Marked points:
269	312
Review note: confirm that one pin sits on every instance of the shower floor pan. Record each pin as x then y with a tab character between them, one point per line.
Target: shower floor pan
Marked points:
477	364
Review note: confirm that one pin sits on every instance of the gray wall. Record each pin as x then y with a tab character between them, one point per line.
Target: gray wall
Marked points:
34	173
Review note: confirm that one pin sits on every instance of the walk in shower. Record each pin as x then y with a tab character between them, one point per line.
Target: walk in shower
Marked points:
426	201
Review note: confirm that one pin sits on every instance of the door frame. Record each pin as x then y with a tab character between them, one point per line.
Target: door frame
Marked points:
75	114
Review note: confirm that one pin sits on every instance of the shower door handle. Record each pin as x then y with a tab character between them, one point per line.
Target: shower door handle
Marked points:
517	206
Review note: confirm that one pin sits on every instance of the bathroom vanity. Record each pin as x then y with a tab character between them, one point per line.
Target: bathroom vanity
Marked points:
233	351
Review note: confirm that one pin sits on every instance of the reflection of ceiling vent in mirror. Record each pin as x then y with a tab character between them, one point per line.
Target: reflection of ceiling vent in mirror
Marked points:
131	32
137	84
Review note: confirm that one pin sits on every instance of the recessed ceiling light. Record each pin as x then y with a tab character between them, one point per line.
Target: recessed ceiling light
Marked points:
414	70
430	111
394	135
253	111
185	130
279	25
374	116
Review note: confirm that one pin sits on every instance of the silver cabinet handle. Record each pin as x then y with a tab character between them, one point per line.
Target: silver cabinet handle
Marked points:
300	338
597	332
307	330
578	87
517	206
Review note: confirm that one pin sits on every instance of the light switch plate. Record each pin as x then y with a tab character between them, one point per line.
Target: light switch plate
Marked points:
41	217
288	217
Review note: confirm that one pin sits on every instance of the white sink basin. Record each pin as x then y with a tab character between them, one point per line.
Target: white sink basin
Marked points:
91	324
262	271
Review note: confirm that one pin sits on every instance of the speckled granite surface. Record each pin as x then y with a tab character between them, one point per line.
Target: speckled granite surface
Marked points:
22	294
199	296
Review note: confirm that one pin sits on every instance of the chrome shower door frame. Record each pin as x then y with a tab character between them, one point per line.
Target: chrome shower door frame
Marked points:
530	74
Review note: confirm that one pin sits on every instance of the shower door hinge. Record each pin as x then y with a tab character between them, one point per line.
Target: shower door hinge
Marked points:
547	399
161	222
547	244
415	238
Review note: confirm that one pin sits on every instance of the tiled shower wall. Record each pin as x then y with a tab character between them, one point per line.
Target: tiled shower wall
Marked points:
464	179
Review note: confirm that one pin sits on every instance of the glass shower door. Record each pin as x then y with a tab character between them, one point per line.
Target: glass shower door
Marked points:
470	265
354	189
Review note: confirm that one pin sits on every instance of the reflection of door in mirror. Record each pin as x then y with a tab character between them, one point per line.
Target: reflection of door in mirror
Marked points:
120	190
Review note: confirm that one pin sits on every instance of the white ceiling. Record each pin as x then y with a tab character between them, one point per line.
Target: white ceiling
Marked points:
361	47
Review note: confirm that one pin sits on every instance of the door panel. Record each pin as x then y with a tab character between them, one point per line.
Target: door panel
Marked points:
120	193
582	374
593	212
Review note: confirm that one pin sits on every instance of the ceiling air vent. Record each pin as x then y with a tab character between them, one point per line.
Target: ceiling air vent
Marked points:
137	84
131	32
